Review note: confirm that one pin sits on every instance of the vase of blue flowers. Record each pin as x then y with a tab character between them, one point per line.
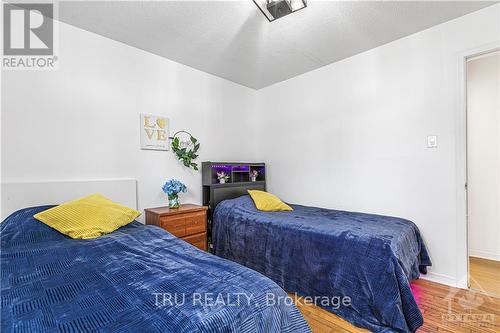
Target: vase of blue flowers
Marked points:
172	188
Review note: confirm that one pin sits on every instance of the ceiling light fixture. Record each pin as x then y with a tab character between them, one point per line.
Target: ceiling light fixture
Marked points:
275	9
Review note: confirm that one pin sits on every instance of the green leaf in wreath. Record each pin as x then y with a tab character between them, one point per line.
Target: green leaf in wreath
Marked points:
186	154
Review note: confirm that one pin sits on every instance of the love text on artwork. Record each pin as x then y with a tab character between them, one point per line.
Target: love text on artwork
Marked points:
155	129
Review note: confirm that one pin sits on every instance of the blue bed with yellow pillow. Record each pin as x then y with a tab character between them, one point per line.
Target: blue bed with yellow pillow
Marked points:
135	279
367	260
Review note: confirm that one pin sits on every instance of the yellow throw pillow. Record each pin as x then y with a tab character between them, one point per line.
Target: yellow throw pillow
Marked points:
268	202
87	217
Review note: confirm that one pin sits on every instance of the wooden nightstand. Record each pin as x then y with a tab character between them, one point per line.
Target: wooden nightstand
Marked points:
188	222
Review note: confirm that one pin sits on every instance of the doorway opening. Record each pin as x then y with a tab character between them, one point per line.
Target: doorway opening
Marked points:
483	172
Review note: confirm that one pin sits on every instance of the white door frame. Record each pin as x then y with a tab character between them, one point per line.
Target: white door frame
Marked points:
462	248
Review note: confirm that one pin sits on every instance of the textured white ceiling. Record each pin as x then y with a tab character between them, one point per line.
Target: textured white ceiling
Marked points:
233	40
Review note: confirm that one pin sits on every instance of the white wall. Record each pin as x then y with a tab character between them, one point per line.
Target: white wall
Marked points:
352	135
82	120
483	153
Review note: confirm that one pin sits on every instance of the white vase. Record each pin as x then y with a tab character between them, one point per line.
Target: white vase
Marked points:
253	178
222	181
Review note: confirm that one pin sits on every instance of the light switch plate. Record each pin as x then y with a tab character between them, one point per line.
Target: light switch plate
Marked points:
432	141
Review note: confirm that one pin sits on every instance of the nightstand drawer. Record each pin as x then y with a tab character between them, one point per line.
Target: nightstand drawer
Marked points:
196	223
176	225
200	240
188	222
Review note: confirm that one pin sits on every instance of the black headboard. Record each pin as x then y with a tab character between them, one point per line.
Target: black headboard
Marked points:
220	193
239	182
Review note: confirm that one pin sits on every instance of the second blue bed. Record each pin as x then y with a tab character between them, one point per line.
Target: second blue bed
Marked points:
369	259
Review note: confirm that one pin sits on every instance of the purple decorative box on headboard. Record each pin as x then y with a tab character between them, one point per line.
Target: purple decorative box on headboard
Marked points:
237	172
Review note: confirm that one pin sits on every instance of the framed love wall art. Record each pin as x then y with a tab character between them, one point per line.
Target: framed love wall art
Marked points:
154	132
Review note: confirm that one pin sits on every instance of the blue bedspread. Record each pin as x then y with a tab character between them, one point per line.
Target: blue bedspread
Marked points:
126	282
328	253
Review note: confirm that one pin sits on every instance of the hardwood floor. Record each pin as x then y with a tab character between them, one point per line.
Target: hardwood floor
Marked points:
485	276
445	309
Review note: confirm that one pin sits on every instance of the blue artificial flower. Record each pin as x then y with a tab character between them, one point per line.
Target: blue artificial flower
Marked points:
173	187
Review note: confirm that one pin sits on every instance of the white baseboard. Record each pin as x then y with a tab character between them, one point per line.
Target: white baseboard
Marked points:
484	255
440	278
